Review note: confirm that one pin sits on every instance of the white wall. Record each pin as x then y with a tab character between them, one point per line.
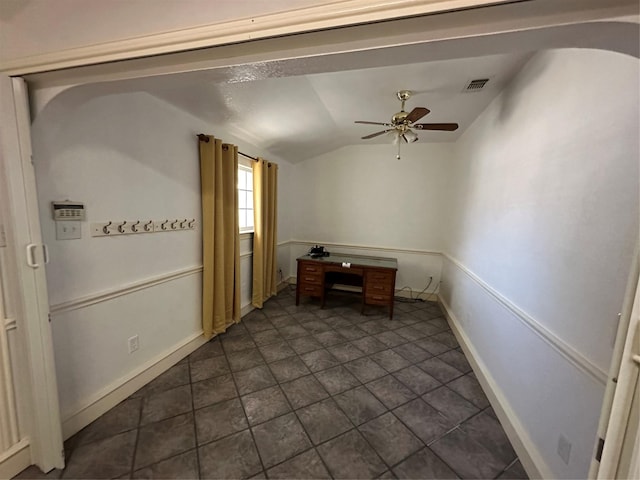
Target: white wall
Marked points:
127	156
543	210
360	199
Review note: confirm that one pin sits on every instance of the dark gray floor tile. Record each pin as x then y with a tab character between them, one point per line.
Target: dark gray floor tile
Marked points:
280	439
315	326
360	405
105	458
390	360
373	326
34	473
423	420
448	338
319	360
390	438
304	315
426	328
174	377
237	343
121	418
219	420
212	348
345	352
491	412
183	466
351	332
293	331
450	404
440	323
330	337
469	388
390	339
254	379
232	457
350	456
304	391
245	359
289	369
432	346
337	322
209	367
369	345
284	321
440	370
412	352
164	439
387	475
265	404
488	431
423	464
276	351
235	329
213	390
467	457
390	391
365	369
514	472
306	465
267	337
305	344
323	421
410	333
457	360
166	404
417	380
337	379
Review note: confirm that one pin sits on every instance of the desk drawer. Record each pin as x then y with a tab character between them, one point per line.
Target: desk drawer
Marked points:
310	290
380	277
379	288
310	278
310	268
377	299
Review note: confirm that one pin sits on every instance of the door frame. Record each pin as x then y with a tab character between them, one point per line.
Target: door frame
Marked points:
28	287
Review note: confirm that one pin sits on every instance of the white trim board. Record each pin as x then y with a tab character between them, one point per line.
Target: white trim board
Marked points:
559	345
110	396
308	243
16	459
527	452
106	295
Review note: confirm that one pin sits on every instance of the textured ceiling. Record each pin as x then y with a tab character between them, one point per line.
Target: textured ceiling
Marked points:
302	116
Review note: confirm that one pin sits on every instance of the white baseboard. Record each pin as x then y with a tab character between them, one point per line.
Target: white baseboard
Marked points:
124	387
15	460
527	452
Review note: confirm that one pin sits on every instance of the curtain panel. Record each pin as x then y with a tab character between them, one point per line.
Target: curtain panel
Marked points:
220	236
265	194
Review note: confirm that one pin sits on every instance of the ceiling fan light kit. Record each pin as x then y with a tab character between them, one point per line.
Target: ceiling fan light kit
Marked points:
403	122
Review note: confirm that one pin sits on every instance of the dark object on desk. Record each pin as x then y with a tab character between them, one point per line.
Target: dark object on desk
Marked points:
318	251
376	276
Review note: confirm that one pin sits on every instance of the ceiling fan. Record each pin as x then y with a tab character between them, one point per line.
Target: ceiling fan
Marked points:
402	123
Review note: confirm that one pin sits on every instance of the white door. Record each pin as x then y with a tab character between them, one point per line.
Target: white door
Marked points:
25	281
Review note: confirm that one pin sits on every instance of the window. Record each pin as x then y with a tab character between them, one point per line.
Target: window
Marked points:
245	198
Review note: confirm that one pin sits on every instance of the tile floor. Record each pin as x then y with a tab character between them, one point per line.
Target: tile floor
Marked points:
300	392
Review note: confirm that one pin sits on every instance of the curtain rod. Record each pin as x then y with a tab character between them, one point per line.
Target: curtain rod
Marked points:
203	138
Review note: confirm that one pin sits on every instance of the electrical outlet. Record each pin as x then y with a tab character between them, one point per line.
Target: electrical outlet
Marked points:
134	343
564	449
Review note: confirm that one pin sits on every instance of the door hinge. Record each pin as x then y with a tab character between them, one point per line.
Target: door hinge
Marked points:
600	448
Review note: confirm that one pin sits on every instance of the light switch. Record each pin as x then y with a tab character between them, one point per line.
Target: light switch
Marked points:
66	230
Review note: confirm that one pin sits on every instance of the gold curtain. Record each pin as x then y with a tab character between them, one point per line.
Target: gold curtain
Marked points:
265	194
220	236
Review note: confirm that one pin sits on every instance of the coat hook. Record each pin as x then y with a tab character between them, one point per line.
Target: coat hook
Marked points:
147	226
121	226
163	225
134	227
192	223
105	229
184	223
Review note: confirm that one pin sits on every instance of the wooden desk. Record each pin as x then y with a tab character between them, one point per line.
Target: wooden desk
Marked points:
376	276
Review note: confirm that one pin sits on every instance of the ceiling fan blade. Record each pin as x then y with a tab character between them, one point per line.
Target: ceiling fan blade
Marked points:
372	123
376	134
448	127
416	114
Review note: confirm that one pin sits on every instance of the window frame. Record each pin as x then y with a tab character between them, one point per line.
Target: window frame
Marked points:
247	168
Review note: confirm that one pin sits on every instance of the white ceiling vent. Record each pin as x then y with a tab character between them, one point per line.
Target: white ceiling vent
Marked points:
476	85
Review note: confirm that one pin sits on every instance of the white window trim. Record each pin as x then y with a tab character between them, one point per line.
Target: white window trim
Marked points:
246	165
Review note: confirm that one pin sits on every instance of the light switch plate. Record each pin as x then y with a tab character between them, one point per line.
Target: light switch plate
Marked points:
68	230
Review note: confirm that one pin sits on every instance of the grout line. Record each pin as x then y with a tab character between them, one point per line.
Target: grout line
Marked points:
193	415
135	445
